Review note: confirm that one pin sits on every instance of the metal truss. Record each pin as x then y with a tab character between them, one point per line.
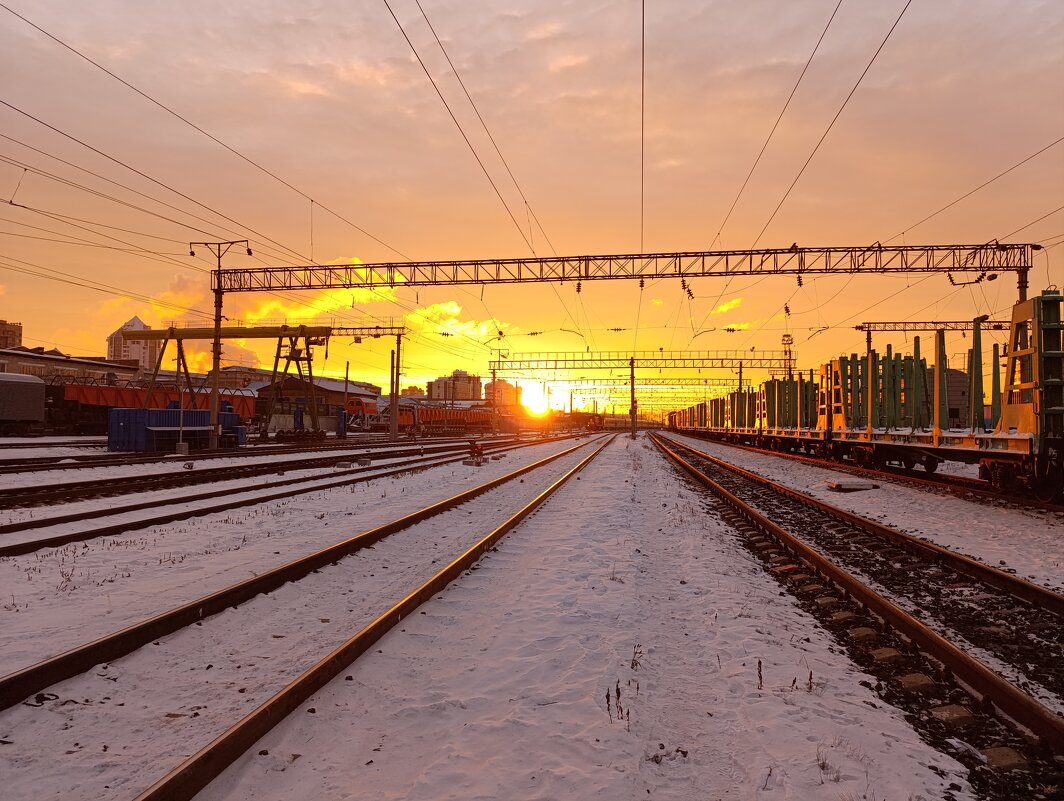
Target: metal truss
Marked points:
266	332
581	384
644	360
985	259
951	325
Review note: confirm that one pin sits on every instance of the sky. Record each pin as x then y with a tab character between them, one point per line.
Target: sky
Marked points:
330	99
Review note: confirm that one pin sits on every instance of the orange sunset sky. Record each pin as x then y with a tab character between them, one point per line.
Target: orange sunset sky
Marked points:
329	97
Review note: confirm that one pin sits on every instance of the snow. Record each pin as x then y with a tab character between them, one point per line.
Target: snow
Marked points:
1028	541
498	689
175	464
59	597
230	663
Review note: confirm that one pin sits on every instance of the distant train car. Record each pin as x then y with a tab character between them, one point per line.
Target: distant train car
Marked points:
876	409
370	415
21	404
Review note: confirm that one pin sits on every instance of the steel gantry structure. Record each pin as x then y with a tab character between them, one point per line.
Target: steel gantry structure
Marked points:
644	360
985	259
287	336
985	323
989	258
647	359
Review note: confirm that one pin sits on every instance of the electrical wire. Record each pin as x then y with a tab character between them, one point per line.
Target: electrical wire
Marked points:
832	123
193	125
971	192
461	130
487	131
775	125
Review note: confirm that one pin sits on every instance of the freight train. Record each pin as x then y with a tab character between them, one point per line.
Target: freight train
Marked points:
368	415
876	410
30	405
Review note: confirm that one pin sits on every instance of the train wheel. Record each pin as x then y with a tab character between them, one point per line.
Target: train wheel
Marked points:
930	464
1050	487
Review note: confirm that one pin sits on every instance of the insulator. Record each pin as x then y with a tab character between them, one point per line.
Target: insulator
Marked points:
786	309
683	284
799	281
578	287
642	283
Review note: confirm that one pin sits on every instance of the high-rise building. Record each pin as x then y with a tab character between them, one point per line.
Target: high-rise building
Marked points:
10	334
505	394
144	351
412	392
458	386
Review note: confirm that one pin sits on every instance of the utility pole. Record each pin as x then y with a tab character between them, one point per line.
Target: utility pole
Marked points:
393	425
634	408
219	249
494	403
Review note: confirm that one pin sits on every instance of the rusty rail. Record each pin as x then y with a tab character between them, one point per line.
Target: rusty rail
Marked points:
1020	588
992	688
18	685
196	772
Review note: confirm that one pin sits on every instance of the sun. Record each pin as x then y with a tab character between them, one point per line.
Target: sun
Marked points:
533	398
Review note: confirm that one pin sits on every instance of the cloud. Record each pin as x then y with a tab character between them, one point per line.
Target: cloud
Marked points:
727	306
548	30
568	62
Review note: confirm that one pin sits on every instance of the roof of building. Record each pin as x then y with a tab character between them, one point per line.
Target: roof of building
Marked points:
18	378
54	355
328	384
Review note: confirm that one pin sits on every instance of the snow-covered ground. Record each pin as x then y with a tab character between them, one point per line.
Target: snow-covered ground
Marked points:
498	691
60	597
176	464
1028	541
111	732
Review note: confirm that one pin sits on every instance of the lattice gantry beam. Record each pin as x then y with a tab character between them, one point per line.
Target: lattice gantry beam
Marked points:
950	325
982	258
644	360
579	384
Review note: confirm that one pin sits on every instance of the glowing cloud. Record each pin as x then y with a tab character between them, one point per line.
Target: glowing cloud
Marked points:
727	306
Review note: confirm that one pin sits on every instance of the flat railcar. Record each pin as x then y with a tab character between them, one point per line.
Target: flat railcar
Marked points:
877	409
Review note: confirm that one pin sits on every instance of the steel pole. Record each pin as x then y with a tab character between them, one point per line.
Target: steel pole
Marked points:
634	407
216	365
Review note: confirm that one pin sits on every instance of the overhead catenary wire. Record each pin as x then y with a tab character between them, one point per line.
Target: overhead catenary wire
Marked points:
971	192
461	130
487	131
775	125
193	125
831	124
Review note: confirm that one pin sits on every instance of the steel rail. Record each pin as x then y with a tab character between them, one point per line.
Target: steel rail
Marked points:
84	490
29	546
43	463
1018	587
32	679
992	689
957	485
196	772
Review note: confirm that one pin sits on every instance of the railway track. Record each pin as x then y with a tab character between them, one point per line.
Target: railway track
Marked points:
932	623
234	498
962	486
44	463
255	683
99	442
69	491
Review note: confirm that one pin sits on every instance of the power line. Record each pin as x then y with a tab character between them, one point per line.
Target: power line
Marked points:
483	124
461	130
1025	227
832	123
775	125
144	175
73	280
953	203
209	135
